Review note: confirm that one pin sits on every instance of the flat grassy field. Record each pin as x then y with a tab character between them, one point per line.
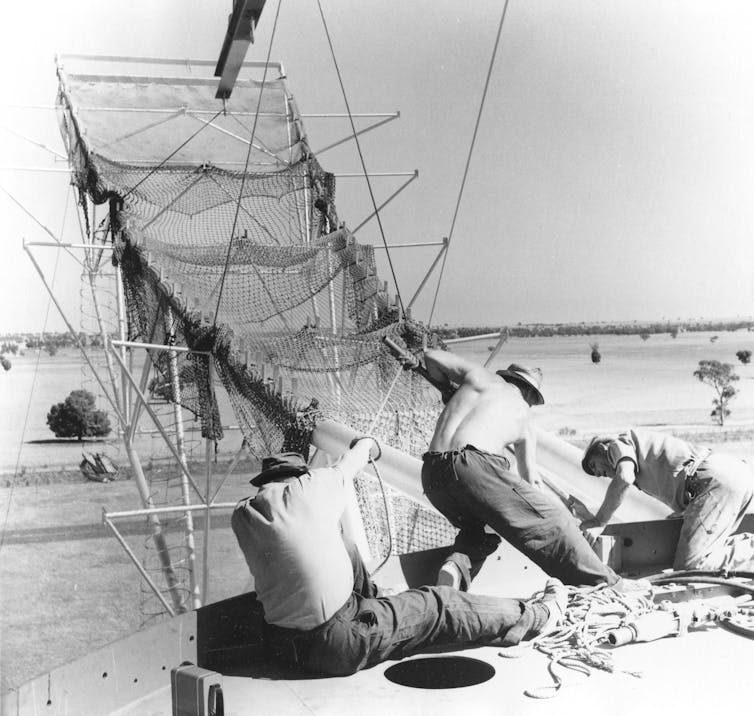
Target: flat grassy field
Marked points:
66	584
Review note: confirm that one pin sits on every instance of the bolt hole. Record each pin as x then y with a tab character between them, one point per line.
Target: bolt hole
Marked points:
49	702
136	680
191	638
628	542
104	674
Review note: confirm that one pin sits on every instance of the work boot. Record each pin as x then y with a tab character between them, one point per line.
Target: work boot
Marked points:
449	575
555	598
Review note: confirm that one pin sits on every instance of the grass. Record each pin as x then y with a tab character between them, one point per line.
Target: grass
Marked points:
27	476
67	585
720	437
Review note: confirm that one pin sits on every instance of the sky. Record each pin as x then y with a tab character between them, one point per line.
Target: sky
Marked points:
611	178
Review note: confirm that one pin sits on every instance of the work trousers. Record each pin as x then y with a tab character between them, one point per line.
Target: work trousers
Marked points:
473	488
369	629
721	491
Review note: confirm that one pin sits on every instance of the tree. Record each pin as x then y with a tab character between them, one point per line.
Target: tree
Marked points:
743	356
77	417
5	363
596	355
720	376
644	335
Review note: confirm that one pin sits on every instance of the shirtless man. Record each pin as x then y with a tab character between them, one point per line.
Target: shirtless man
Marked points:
467	478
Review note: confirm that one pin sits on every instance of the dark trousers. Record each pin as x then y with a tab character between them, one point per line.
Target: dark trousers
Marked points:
369	629
473	488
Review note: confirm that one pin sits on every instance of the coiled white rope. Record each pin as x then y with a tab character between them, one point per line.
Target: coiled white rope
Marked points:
574	644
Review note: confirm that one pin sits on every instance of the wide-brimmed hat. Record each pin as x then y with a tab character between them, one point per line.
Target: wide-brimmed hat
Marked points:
527	379
279	467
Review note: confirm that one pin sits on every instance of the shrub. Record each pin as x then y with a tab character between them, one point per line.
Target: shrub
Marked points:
644	335
596	355
77	417
744	356
5	363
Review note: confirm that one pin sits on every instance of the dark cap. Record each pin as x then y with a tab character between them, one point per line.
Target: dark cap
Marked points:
597	443
279	467
526	380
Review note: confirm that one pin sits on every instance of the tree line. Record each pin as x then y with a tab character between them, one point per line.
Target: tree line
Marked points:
63	339
548	330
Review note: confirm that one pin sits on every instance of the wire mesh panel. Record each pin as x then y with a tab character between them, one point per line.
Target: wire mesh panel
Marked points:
228	242
224	219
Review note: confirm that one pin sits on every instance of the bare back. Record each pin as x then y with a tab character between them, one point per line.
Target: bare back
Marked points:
485	412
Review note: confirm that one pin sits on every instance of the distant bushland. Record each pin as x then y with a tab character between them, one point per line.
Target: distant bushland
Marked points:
548	330
50	341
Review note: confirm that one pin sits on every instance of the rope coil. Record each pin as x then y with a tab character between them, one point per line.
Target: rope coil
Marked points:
600	615
574	645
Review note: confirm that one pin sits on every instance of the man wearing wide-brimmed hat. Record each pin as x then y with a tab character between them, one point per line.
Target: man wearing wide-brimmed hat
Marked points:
468	478
322	610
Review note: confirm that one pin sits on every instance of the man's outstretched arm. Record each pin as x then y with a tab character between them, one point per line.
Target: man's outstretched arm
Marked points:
362	450
625	476
447	367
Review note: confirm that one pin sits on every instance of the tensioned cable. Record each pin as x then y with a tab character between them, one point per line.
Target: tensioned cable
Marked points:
361	159
385	502
246	166
33	381
37	221
170	156
58	154
386	506
468	160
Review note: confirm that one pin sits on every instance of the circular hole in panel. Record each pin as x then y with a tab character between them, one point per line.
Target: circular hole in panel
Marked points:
440	672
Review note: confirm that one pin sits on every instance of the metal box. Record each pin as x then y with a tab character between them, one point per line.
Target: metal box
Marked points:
196	691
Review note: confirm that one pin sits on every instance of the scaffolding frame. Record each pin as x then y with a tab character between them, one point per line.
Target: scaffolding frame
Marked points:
126	392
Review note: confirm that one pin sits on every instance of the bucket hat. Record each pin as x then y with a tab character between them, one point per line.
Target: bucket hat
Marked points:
526	379
280	466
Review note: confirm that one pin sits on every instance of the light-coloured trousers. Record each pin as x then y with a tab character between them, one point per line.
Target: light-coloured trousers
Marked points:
723	490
